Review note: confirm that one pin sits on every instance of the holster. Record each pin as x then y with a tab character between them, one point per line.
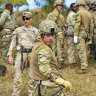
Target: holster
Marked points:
26	62
14	52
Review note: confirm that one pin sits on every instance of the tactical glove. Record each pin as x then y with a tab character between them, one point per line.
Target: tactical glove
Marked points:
66	84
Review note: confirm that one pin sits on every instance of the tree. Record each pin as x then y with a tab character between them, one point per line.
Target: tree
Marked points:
2	2
47	5
16	3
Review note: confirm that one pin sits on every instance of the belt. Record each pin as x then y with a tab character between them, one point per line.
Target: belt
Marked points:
8	30
46	83
27	50
60	32
6	36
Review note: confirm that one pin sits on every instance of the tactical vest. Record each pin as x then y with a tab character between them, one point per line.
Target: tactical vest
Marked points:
36	75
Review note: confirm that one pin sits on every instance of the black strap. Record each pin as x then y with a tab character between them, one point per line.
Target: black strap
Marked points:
39	91
22	57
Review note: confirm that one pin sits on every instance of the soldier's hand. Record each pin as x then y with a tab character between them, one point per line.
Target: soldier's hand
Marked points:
66	84
10	59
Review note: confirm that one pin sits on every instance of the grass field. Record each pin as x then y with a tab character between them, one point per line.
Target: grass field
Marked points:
83	84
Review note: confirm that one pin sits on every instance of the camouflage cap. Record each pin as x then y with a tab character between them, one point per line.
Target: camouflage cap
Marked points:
80	2
58	2
27	14
48	27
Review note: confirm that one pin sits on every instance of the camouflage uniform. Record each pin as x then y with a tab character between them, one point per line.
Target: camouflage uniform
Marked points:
70	33
44	63
58	45
82	27
6	21
25	37
93	48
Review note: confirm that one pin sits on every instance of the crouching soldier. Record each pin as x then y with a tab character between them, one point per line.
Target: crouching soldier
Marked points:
44	64
23	39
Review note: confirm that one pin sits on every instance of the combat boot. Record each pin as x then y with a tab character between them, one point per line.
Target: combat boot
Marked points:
72	65
82	71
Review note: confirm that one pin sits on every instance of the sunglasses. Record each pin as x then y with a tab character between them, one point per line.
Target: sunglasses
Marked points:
25	19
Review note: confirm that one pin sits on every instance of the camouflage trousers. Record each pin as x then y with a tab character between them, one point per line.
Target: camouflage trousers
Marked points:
58	46
5	47
70	53
46	90
81	47
92	48
18	75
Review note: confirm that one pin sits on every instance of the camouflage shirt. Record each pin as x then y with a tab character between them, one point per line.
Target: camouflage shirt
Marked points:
57	17
44	63
25	37
6	20
71	18
83	22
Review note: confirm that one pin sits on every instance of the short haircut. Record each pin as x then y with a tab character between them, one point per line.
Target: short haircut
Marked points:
72	5
8	5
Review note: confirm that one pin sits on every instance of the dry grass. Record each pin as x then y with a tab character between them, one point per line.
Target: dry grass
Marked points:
83	84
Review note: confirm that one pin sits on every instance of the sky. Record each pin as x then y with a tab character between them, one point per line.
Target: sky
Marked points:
32	4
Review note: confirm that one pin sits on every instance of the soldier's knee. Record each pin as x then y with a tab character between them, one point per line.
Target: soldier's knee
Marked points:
18	82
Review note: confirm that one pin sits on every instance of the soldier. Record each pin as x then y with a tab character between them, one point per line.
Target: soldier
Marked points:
93	49
23	39
58	18
6	22
88	7
44	64
70	33
83	27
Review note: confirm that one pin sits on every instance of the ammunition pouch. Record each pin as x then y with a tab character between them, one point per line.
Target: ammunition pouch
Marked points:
14	52
84	34
70	31
26	62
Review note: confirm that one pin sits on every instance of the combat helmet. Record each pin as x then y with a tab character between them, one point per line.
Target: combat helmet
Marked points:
80	2
88	1
47	27
93	1
58	2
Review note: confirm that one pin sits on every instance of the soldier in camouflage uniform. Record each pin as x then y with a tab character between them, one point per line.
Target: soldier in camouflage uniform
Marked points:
70	32
23	39
83	27
93	13
88	5
58	18
8	25
44	64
